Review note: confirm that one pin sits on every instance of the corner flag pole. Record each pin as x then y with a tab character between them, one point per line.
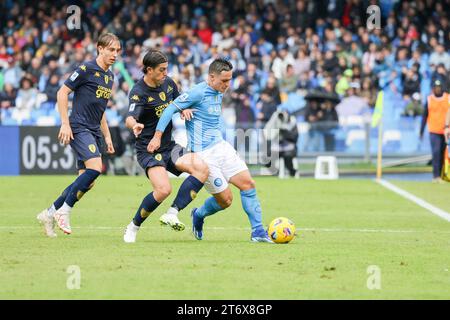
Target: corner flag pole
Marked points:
377	120
380	149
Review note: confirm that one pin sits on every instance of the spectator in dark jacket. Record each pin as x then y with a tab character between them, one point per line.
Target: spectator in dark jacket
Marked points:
52	87
8	97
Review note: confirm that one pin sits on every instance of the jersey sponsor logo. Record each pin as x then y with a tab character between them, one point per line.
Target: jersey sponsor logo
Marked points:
92	148
214	109
183	97
160	109
132	106
218	182
74	76
158	157
135	97
162	95
150	99
103	92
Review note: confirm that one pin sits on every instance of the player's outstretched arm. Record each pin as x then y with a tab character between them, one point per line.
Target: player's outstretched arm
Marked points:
65	132
163	122
107	134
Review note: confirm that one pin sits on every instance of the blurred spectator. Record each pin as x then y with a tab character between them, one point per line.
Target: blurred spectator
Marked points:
288	136
288	84
344	82
266	106
280	63
414	107
411	83
52	87
120	98
443	76
26	100
8	97
272	89
439	56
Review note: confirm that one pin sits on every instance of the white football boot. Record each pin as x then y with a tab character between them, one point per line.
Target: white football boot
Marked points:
47	222
130	233
172	221
62	220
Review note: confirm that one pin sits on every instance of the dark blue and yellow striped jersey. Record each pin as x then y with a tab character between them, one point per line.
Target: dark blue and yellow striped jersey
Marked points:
146	105
92	87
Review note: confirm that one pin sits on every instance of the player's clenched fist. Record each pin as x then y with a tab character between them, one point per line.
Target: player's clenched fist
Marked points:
154	144
137	129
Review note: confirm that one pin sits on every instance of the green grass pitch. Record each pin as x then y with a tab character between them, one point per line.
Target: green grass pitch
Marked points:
344	227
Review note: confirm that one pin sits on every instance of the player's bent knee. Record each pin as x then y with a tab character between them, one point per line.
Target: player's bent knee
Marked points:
225	203
202	171
249	184
163	192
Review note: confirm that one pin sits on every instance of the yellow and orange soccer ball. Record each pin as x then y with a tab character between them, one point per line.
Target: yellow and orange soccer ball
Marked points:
281	230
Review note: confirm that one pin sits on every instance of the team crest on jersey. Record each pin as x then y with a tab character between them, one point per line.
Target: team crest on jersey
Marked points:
162	95
92	148
150	99
135	97
158	157
218	182
83	67
97	74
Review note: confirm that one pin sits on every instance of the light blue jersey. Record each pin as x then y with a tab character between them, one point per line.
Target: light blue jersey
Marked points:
204	129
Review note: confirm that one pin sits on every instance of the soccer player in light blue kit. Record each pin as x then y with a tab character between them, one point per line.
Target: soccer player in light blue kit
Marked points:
205	139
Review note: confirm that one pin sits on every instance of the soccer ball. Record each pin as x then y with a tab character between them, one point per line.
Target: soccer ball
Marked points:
281	230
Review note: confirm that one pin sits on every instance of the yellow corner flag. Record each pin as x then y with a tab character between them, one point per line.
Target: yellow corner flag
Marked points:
378	111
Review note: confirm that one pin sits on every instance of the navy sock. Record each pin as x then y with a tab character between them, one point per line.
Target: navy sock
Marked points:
60	201
148	205
187	192
80	186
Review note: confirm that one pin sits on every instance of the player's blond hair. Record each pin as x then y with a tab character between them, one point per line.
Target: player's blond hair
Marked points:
106	39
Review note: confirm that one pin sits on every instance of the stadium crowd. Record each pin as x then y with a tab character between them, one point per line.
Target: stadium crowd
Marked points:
279	49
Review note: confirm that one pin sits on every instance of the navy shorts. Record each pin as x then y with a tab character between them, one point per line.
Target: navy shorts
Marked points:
166	158
86	145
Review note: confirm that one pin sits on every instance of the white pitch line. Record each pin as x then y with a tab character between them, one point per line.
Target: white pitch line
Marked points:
3	228
435	210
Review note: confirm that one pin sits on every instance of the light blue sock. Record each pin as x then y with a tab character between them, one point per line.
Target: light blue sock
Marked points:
252	208
209	208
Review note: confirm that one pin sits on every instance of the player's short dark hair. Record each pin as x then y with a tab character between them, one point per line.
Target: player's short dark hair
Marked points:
152	59
106	39
219	65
